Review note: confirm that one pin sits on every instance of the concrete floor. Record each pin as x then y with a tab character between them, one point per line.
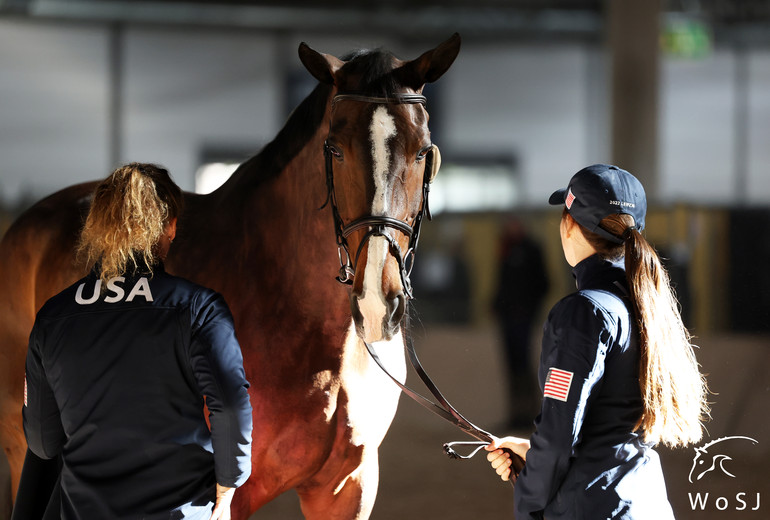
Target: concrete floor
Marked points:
419	482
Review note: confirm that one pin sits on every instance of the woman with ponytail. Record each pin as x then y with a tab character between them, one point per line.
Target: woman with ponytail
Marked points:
617	368
118	366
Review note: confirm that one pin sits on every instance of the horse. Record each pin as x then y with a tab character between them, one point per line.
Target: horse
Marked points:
358	147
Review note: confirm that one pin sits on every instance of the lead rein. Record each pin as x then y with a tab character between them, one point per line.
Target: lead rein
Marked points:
445	410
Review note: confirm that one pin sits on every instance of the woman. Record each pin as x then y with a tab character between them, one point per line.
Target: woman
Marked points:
119	363
617	368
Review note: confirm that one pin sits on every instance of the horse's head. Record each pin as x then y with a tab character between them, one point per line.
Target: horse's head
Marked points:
379	164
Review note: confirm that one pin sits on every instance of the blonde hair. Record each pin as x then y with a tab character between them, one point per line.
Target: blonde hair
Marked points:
674	392
128	215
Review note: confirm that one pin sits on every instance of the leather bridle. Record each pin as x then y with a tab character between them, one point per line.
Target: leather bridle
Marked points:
377	224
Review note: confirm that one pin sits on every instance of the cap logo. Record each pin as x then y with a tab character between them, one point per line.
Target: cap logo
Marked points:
622	204
570	199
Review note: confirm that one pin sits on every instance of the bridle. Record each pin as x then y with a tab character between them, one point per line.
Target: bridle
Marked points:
377	224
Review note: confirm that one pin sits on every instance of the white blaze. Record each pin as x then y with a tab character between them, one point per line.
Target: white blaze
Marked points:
372	303
383	127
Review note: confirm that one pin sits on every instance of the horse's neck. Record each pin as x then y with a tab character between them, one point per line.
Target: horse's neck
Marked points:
285	242
285	211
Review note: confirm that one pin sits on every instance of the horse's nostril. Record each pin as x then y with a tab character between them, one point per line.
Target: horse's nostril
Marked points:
396	308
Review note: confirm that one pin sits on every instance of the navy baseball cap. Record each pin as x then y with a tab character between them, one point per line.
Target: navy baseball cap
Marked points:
601	190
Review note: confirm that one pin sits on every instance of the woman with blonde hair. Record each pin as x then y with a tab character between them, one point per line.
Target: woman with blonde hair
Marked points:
120	362
617	368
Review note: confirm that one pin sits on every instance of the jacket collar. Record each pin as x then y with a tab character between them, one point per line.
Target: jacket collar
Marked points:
134	270
595	271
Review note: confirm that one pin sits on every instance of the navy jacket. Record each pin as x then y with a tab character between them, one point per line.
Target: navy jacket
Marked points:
115	383
586	462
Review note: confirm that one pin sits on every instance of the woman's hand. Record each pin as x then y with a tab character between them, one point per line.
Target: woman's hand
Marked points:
500	460
222	507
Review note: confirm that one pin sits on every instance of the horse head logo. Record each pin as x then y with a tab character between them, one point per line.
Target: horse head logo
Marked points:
707	460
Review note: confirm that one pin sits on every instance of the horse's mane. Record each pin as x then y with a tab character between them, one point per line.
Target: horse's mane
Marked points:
374	67
298	130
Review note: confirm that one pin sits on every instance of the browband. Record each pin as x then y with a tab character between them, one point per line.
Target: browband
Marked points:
395	99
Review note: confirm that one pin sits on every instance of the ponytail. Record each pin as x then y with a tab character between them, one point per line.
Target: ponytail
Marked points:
673	389
128	215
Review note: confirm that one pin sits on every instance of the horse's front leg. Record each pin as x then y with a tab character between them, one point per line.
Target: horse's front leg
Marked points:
346	487
349	496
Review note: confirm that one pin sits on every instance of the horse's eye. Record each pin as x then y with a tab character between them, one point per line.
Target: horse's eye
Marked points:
421	155
334	151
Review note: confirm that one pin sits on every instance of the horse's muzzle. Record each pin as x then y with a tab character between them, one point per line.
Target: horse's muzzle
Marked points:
389	324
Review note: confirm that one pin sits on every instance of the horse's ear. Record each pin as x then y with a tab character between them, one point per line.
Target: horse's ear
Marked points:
321	66
431	65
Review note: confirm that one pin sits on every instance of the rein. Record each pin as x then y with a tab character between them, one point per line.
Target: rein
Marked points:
444	408
377	223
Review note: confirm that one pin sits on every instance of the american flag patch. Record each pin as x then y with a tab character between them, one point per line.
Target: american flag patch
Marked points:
25	389
570	199
557	384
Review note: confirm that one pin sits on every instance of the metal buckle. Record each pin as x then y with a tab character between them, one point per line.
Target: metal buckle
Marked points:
346	272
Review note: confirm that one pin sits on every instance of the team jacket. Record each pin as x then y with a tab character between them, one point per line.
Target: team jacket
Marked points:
115	383
585	461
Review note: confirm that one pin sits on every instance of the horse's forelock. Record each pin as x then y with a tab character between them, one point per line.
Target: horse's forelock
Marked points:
370	73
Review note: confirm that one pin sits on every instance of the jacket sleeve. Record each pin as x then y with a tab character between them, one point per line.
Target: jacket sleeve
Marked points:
40	413
217	362
571	367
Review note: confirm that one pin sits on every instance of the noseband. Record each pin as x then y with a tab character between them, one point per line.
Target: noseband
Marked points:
377	224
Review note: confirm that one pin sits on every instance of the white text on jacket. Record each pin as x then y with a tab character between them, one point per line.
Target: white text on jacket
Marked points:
115	291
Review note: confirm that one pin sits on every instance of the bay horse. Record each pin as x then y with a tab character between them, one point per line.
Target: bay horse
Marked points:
359	142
